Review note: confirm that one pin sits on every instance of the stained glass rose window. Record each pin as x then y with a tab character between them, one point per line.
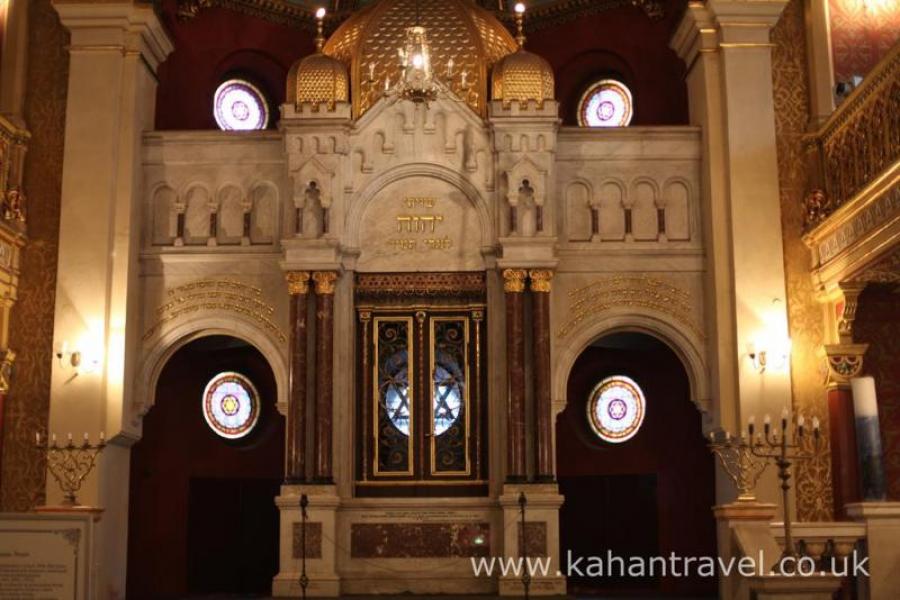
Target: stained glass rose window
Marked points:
238	105
607	103
616	409
231	405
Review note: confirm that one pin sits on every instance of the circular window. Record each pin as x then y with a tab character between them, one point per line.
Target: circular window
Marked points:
607	103
230	405
616	409
238	105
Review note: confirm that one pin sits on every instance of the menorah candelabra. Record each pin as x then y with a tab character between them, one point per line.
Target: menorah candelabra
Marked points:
784	447
70	463
740	464
744	458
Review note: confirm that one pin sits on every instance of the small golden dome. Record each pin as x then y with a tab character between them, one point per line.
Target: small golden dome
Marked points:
318	79
522	76
367	42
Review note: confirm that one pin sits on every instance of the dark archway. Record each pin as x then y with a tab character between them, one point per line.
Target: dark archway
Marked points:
202	515
645	497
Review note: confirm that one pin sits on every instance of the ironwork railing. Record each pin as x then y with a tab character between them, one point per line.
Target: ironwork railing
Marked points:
859	142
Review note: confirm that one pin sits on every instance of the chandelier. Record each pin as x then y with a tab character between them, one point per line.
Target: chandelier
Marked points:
417	82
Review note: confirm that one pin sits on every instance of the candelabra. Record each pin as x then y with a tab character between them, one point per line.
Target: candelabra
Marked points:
70	463
739	462
784	447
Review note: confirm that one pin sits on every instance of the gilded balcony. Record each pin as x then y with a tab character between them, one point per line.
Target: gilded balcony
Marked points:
853	203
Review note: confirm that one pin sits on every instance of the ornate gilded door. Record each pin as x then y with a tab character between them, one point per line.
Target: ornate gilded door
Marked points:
420	399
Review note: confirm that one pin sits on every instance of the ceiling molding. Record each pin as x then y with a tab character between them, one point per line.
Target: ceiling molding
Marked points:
296	14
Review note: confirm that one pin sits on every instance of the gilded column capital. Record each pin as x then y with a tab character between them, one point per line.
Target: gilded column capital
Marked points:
298	282
846	308
541	280
324	281
514	280
845	361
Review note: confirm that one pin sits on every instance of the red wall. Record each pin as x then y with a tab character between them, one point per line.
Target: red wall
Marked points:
211	46
862	32
179	457
622	43
657	488
878	324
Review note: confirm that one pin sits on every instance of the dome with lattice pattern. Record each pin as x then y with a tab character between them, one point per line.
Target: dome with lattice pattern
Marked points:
368	42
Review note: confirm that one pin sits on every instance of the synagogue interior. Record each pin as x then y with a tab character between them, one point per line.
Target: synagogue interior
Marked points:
450	299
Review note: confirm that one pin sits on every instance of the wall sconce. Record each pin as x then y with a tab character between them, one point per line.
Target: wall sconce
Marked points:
772	355
77	359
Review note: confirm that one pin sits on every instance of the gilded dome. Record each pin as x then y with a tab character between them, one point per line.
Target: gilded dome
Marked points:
368	41
318	79
522	76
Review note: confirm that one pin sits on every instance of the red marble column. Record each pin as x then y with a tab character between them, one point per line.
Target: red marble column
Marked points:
324	281
540	295
844	463
514	286
298	288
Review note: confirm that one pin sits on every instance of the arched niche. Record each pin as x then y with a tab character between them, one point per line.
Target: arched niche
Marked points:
686	348
419	223
160	348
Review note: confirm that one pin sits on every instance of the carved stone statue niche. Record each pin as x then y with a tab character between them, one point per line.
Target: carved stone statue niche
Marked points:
524	211
312	212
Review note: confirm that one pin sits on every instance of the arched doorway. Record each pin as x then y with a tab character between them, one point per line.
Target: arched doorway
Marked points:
633	488
202	515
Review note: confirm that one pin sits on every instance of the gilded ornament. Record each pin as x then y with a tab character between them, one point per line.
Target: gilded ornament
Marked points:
324	281
6	367
298	282
522	76
845	361
367	43
318	79
541	280
514	280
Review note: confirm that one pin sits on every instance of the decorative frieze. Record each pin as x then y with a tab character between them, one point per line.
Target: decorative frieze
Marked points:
419	540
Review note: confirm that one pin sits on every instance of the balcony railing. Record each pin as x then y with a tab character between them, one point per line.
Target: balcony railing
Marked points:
858	143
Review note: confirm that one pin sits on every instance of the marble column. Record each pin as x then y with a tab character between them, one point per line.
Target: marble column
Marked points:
298	288
514	286
324	281
540	295
844	361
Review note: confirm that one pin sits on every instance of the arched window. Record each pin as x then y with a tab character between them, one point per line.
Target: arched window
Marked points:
607	103
238	105
616	409
231	405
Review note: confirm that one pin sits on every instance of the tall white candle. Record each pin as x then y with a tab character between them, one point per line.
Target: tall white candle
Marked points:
865	402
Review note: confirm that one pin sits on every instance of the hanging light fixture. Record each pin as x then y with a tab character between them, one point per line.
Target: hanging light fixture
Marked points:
417	82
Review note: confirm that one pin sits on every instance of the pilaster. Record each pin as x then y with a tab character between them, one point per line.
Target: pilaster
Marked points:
115	50
726	47
298	288
514	288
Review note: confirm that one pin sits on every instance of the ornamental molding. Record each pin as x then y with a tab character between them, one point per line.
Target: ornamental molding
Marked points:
633	291
412	285
844	361
216	295
293	14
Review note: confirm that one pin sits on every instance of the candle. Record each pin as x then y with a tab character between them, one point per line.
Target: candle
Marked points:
800	421
816	424
865	401
69	436
37	438
54	439
371	70
450	68
387	83
85	436
102	437
463	76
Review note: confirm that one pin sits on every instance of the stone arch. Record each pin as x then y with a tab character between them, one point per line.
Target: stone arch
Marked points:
160	350
689	351
361	200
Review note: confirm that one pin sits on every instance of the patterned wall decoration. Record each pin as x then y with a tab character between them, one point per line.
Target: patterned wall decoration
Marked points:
31	325
878	324
791	88
631	291
862	32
